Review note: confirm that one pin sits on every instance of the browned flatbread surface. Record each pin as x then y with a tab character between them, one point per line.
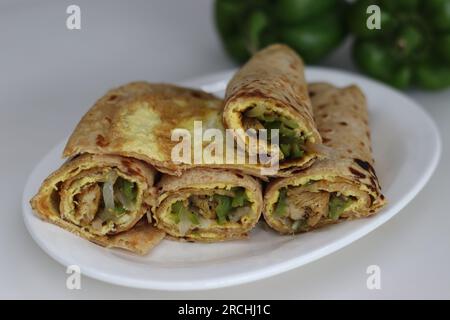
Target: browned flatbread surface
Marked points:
273	78
342	119
136	120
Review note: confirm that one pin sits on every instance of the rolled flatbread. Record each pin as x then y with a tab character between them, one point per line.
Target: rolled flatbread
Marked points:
137	119
102	198
341	187
208	205
270	92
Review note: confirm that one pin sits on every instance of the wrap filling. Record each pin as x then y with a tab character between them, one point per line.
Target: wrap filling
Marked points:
104	202
292	140
215	207
302	207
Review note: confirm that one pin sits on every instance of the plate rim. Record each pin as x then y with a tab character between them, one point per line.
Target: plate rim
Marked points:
274	268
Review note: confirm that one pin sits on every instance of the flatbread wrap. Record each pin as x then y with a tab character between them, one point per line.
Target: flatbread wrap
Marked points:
102	198
270	92
137	119
208	205
341	187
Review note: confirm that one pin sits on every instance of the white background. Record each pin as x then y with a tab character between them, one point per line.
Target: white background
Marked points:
172	41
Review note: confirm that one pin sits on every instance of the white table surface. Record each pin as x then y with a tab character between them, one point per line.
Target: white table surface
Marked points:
171	41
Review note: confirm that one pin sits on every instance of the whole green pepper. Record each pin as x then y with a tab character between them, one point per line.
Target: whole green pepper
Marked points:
311	27
412	47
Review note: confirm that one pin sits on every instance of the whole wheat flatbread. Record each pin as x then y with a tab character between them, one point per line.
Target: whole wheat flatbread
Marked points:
273	78
171	189
342	119
136	235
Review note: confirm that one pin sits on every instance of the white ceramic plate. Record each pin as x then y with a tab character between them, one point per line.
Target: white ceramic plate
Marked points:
406	147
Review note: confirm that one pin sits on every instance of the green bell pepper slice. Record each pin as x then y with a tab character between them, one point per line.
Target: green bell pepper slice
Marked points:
224	206
240	198
337	205
281	205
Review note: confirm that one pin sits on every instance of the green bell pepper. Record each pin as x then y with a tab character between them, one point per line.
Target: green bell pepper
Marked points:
224	206
311	27
240	198
281	204
412	48
337	205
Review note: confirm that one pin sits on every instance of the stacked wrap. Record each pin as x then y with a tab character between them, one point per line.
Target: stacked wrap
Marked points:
102	198
113	151
104	192
344	185
270	92
208	205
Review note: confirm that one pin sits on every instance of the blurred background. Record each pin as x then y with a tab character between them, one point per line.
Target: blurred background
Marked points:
404	43
50	76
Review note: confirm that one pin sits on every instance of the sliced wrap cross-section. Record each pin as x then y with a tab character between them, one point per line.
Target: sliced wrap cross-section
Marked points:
102	198
341	187
208	205
270	92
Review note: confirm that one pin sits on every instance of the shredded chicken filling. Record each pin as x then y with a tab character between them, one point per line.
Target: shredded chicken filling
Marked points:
103	204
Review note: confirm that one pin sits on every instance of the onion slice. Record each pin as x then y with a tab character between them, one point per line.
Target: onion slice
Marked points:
237	214
185	223
204	223
108	190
